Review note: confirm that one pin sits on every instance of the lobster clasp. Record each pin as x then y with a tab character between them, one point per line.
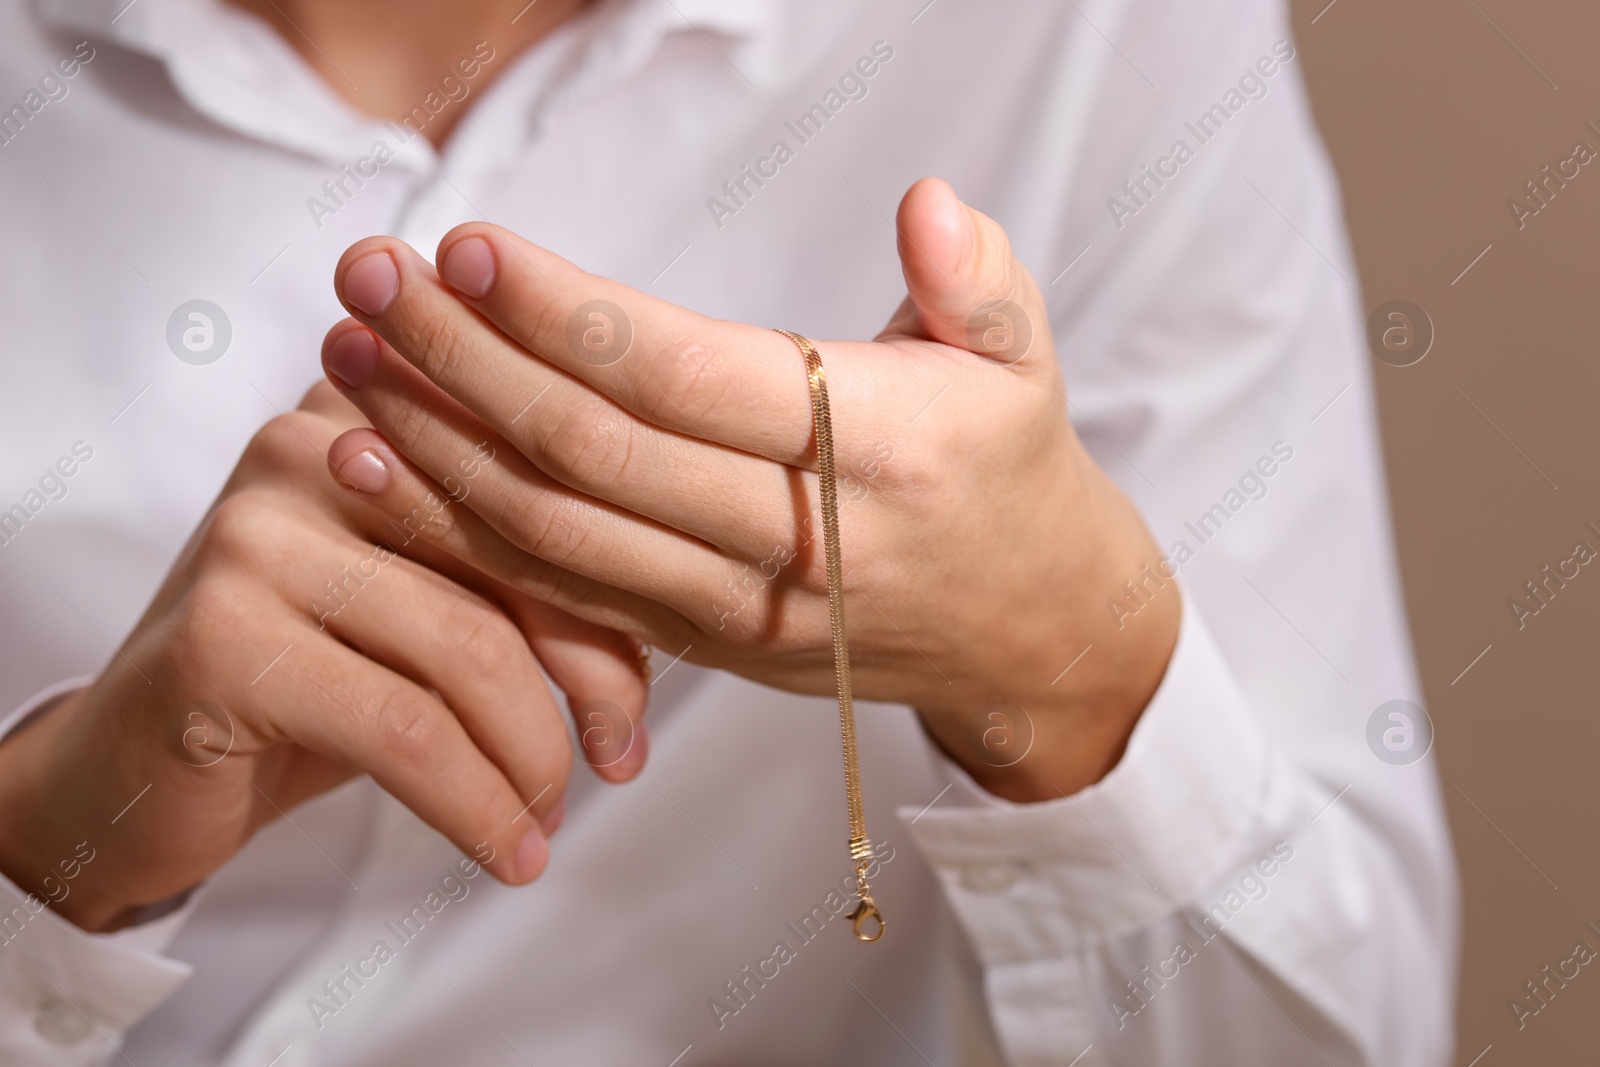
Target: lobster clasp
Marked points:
867	913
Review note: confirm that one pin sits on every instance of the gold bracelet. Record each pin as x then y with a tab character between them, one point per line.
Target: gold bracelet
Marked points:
860	847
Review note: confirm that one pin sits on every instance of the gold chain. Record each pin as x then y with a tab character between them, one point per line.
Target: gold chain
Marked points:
860	846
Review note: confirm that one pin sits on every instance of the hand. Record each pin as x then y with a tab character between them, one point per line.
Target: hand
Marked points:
659	479
288	650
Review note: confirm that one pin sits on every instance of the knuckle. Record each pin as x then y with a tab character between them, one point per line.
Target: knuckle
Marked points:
590	446
475	641
539	579
542	326
240	529
799	560
545	525
210	607
809	573
910	469
556	585
684	384
742	626
407	425
439	345
742	612
432	520
408	729
281	445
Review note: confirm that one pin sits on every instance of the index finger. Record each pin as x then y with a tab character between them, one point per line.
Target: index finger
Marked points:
734	384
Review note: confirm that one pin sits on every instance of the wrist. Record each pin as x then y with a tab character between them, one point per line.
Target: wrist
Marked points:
1067	729
1045	750
45	847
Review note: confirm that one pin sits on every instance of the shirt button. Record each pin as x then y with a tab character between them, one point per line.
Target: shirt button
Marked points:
989	877
60	1023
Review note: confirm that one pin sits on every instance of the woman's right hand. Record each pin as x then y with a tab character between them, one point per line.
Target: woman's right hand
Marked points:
286	652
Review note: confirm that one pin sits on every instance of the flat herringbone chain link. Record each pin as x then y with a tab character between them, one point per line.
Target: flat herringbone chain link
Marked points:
860	846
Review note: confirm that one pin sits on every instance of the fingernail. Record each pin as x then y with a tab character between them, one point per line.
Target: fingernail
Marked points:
469	267
551	820
372	282
532	854
353	357
366	471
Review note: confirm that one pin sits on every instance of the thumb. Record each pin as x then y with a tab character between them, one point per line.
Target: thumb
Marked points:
966	288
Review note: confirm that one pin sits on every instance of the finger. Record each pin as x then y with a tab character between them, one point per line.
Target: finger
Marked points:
719	381
587	661
966	287
421	513
595	663
581	440
289	459
341	705
326	402
603	673
543	518
592	664
430	630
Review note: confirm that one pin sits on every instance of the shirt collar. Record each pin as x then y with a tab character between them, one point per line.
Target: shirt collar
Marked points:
242	74
229	66
156	26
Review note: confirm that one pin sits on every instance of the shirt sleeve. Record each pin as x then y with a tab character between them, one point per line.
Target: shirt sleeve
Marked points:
1204	877
1258	880
67	996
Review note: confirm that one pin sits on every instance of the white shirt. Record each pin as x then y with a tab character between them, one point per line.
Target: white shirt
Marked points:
1209	328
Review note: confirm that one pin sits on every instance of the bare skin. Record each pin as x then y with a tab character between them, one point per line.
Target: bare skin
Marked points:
671	491
248	688
988	546
385	56
425	679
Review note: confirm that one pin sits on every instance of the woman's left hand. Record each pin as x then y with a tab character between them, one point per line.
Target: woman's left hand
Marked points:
655	472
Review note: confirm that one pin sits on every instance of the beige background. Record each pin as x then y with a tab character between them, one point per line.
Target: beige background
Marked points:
1436	112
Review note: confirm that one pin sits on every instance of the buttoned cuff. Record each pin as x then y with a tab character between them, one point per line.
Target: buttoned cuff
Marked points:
67	995
1037	882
